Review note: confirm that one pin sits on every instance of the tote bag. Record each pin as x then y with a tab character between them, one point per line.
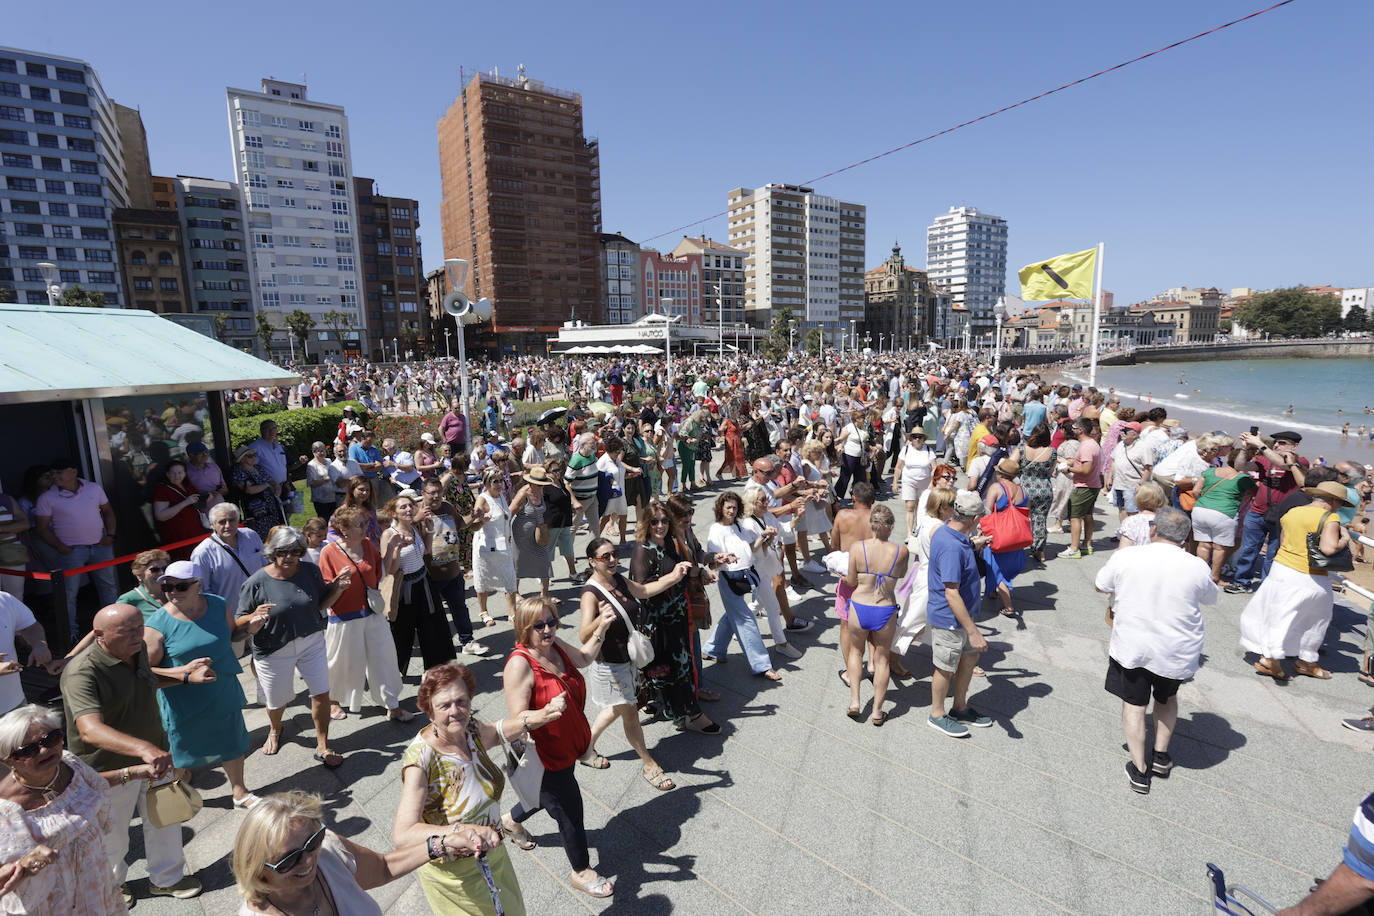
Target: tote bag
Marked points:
1009	528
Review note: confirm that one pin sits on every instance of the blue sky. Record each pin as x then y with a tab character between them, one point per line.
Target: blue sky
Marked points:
1238	160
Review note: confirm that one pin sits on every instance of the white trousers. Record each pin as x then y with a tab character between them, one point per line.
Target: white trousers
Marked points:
166	860
362	649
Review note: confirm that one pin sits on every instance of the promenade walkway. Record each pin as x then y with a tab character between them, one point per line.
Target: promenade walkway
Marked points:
799	809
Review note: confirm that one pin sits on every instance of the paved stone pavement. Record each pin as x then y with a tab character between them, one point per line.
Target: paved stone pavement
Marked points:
797	808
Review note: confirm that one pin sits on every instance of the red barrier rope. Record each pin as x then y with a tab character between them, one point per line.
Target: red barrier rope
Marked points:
42	576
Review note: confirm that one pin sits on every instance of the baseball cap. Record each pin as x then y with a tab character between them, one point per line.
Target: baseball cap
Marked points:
968	505
181	569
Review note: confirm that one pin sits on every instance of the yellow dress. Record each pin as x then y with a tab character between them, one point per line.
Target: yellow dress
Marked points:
460	792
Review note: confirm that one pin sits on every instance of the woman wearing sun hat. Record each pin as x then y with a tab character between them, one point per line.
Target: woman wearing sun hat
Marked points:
1292	609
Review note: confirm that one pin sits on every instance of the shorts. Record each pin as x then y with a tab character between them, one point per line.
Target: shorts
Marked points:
948	646
912	490
1133	686
276	672
1213	527
616	505
611	684
1081	502
561	540
787	532
1125	499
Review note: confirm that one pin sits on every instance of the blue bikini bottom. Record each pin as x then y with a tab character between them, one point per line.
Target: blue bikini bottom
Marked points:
872	617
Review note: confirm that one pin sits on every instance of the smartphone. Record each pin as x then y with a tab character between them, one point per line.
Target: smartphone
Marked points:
1254	430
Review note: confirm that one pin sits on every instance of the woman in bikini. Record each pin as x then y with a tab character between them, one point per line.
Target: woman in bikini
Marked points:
873	608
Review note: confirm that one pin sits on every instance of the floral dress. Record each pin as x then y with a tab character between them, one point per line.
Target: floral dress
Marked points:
262	511
1036	481
460	497
73	825
459	791
670	679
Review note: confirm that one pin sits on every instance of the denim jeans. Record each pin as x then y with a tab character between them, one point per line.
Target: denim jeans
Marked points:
103	579
1252	564
738	621
455	596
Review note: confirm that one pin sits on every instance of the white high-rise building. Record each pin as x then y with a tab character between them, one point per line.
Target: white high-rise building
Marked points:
293	161
805	251
966	254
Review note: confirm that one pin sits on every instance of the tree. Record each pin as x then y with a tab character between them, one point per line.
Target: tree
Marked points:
1291	312
1356	319
76	296
299	324
409	337
265	332
6	293
221	326
814	343
777	343
336	321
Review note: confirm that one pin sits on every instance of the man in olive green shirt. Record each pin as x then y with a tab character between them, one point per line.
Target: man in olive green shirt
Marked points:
109	693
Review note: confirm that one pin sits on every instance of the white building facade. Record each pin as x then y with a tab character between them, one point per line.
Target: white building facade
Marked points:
61	176
966	254
805	252
293	159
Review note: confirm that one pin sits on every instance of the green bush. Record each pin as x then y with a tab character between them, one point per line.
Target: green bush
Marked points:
296	429
252	409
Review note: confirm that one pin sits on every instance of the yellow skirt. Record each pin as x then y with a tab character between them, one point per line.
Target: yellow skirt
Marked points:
458	886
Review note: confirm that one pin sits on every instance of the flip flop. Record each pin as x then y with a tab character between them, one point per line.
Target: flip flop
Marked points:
879	719
338	714
328	756
274	739
856	714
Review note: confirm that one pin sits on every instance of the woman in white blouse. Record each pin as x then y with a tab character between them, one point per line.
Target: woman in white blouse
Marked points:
733	544
493	551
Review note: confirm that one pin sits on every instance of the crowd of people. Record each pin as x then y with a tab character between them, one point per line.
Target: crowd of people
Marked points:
792	462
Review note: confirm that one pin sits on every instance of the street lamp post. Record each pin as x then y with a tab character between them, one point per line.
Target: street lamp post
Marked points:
791	328
999	311
880	341
720	321
853	335
448	352
395	350
50	284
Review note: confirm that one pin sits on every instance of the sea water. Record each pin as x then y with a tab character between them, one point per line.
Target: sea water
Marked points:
1313	397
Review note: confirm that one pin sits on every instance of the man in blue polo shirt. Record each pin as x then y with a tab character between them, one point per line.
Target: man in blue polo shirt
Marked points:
956	641
368	456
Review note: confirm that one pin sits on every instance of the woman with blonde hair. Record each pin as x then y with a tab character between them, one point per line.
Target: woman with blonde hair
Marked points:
873	608
1149	498
286	861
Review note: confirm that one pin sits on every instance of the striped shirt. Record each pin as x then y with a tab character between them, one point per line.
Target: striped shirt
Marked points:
1359	851
582	475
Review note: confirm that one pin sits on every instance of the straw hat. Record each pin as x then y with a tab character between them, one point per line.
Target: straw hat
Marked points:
1329	490
1009	467
536	475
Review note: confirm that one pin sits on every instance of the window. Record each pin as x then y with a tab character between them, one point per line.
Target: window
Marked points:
278	121
271	300
21	184
343	227
11	113
52	164
138	257
62	232
10	89
263	240
252	141
71	76
97	254
32	275
40	94
291	241
332	130
16	137
257	180
254	160
349	283
142	284
340	207
402	232
29	207
288	201
400	213
319	262
281	142
64	254
333	149
285	183
346	264
83	167
42	117
54	208
406	305
100	276
338	189
257	200
250	118
405	251
307	126
33	69
168	283
7	65
295	298
32	252
310	165
343	246
81	145
337	170
405	270
90	233
78	99
85	189
310	145
69	276
384	248
16	161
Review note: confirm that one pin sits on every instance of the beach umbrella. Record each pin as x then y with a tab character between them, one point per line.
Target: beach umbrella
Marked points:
553	413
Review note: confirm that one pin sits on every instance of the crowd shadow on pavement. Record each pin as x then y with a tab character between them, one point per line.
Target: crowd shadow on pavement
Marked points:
1203	740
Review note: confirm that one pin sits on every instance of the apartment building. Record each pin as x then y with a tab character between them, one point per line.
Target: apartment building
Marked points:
62	176
522	204
901	309
152	261
215	251
621	298
393	275
966	254
805	252
672	285
722	277
293	163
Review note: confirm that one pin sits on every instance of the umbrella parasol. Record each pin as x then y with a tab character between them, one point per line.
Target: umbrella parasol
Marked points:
553	413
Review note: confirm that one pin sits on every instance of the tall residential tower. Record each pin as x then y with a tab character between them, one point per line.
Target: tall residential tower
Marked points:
966	254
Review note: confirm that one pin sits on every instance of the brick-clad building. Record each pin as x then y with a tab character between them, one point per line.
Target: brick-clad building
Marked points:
394	294
522	204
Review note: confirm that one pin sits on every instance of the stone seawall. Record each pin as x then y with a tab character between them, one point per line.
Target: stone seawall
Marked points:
1338	349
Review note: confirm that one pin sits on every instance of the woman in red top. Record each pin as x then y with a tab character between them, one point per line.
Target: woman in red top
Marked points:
540	669
733	460
174	507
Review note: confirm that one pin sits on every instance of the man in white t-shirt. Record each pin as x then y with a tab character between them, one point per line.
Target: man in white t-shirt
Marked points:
17	620
1157	591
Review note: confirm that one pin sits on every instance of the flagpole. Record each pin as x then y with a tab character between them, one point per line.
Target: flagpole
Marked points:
1097	316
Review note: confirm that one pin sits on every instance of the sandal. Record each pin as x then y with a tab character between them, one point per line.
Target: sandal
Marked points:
400	715
879	719
247	802
595	761
771	675
1311	669
488	620
331	760
1366	678
979	672
338	714
597	887
1276	672
710	728
855	713
1007	612
516	833
274	742
658	779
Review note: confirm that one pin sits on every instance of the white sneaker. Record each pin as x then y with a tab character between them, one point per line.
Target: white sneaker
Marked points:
788	649
474	648
793	596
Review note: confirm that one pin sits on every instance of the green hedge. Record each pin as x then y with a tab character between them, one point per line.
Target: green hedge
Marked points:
252	409
296	429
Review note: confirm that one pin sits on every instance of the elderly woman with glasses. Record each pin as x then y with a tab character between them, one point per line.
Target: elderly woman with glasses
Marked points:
286	861
292	593
261	507
53	857
203	721
147	594
493	554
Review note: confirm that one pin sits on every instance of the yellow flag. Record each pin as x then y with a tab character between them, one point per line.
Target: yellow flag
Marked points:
1068	276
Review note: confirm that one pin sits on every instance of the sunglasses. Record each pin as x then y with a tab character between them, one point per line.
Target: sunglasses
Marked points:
604	556
179	586
293	552
50	740
157	569
547	624
658	521
289	860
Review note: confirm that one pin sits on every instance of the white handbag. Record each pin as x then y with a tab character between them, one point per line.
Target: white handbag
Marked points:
524	770
640	648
